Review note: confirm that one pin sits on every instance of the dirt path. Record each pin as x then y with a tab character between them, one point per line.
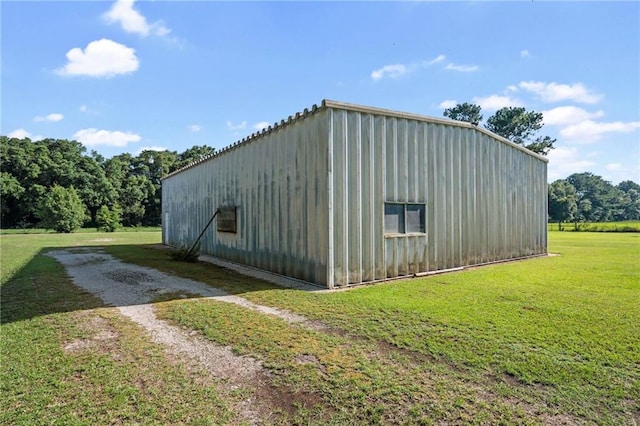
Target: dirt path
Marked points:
131	288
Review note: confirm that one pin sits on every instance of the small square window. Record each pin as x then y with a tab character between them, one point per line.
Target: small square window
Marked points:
394	218
401	218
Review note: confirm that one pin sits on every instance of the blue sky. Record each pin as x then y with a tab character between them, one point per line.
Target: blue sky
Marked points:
122	76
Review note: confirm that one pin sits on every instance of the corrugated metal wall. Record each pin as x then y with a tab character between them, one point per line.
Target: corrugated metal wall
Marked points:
311	194
485	199
278	182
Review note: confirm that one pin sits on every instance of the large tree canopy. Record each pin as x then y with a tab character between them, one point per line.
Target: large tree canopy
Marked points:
126	184
514	123
562	202
464	112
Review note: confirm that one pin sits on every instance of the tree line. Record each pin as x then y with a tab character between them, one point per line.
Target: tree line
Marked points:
585	197
57	184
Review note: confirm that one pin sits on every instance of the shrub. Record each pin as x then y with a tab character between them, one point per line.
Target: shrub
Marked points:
62	209
109	219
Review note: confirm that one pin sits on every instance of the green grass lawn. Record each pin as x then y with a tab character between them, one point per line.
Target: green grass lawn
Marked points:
120	378
626	226
545	340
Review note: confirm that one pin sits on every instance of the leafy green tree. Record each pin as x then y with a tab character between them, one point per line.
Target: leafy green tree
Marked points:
61	209
155	165
630	201
628	185
134	196
21	188
109	219
43	164
514	123
597	199
562	202
464	112
520	126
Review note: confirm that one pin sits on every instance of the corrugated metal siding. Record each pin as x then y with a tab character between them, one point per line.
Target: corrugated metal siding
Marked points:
279	184
485	199
311	194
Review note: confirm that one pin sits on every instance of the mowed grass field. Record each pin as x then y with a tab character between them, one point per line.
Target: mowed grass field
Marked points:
544	341
625	226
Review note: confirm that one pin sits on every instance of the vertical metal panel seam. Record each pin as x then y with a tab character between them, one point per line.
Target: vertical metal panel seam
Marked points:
330	261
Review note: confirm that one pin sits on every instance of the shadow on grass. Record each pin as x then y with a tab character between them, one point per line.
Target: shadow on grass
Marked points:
43	286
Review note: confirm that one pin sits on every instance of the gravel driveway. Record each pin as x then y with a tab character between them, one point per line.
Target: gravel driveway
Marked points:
131	288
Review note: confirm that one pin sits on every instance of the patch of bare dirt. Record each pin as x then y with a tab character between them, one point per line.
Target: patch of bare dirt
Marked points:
102	336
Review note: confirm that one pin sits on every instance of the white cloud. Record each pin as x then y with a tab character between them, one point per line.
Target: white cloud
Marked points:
398	70
94	137
132	21
524	53
51	117
554	92
261	125
437	59
195	128
19	134
616	172
613	166
101	58
83	108
391	71
591	131
565	115
22	134
236	127
448	103
564	162
461	68
495	102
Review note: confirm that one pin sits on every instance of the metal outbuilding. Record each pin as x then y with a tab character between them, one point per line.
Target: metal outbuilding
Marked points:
345	194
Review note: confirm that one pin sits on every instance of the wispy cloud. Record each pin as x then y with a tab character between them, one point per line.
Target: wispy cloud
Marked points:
395	71
261	125
95	137
564	161
613	166
524	54
436	60
132	21
591	131
566	115
236	127
195	128
461	68
555	92
495	102
101	58
448	103
391	71
51	117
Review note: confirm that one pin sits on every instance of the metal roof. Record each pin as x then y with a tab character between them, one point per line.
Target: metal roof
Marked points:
326	103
